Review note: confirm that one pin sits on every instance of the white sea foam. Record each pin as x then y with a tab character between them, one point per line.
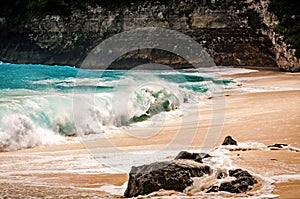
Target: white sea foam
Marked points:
224	70
18	131
286	178
217	71
245	146
30	121
260	89
118	190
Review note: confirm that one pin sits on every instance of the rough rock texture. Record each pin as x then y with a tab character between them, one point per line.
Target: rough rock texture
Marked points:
179	175
284	53
229	141
244	182
192	156
174	175
230	32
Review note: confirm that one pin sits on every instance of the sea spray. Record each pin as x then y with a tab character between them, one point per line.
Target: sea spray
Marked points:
18	131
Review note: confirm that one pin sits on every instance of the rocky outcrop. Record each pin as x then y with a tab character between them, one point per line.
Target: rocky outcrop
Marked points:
229	31
243	182
175	175
183	174
229	141
284	53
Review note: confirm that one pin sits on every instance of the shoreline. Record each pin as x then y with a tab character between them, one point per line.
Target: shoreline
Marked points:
266	117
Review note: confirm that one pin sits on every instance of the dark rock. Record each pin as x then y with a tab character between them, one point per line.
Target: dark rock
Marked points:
175	175
239	173
229	187
205	155
221	175
213	188
192	156
229	141
243	183
277	146
141	118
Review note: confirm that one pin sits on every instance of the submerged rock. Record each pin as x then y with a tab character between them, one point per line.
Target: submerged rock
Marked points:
139	118
160	104
229	141
244	182
277	146
174	175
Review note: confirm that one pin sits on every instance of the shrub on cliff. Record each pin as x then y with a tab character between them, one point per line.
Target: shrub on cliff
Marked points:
288	15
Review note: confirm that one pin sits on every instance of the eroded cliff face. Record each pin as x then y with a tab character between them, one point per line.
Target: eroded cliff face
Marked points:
233	33
284	53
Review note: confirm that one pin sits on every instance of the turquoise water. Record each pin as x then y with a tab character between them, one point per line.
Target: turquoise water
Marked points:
37	77
39	103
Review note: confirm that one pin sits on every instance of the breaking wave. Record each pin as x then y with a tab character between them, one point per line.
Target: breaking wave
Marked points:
40	105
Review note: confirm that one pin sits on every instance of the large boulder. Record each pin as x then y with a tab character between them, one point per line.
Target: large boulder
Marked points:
174	175
179	173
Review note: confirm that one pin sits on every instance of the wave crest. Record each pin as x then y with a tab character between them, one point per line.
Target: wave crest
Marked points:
20	132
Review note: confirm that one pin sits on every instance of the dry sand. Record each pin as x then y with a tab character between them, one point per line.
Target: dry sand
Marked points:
268	116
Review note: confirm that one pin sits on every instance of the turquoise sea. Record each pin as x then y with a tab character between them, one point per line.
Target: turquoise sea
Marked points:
42	104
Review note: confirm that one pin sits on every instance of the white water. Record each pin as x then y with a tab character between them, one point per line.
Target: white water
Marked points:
33	117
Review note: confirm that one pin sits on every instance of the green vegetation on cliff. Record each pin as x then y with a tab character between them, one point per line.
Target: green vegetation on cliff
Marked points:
288	14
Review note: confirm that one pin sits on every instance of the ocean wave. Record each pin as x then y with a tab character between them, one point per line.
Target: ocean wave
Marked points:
38	101
18	132
38	120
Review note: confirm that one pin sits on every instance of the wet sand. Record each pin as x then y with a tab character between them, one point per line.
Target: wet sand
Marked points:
268	116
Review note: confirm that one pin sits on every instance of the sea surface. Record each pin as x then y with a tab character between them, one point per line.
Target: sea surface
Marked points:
42	104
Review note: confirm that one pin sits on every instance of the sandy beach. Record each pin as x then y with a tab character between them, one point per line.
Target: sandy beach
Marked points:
262	107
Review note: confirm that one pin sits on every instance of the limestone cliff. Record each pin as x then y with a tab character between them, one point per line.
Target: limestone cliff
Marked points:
235	33
284	53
